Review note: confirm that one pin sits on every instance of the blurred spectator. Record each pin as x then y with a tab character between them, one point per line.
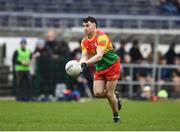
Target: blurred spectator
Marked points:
177	62
176	86
125	76
81	85
39	49
165	73
135	53
22	60
146	92
121	51
171	54
176	77
51	57
76	53
39	68
56	49
125	71
150	55
160	56
167	6
51	44
143	75
177	4
64	50
127	58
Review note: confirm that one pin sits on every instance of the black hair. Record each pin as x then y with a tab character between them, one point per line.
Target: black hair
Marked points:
91	19
135	42
122	41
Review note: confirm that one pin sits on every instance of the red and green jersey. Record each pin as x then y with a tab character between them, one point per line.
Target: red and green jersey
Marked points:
100	40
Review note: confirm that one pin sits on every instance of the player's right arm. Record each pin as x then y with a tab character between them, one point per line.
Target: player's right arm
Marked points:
84	55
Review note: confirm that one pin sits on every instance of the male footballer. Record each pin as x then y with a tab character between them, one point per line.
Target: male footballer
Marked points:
97	49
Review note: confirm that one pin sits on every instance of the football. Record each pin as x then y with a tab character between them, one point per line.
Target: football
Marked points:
73	68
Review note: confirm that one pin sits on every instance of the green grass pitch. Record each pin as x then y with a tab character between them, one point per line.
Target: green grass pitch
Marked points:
89	116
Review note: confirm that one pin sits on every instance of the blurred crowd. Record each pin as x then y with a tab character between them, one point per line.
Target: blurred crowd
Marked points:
170	7
42	74
46	80
144	74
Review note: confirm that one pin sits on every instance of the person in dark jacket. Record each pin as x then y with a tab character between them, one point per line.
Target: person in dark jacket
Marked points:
171	54
121	51
135	53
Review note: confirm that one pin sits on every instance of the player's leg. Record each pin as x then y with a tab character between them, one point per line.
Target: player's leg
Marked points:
99	88
113	101
119	101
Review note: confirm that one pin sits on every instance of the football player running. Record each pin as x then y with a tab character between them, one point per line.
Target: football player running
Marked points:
97	49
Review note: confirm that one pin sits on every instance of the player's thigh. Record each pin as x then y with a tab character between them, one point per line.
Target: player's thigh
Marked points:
111	85
99	86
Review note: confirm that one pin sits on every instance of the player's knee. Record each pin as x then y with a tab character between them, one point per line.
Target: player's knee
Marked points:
98	94
109	94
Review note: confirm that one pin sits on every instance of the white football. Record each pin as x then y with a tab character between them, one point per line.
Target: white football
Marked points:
73	68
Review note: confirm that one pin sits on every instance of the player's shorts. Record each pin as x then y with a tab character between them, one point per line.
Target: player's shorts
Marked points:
111	73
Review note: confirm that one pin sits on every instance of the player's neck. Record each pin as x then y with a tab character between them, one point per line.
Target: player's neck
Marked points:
92	35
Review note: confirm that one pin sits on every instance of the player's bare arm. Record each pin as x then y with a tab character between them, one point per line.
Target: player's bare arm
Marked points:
97	57
84	57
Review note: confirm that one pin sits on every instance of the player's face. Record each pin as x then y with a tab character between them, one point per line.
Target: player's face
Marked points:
89	28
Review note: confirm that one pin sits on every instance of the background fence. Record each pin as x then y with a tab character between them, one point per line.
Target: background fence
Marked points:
146	21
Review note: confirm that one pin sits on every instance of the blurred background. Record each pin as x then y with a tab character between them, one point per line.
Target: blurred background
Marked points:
145	34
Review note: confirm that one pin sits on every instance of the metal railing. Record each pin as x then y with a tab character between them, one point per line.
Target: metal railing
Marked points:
43	20
156	84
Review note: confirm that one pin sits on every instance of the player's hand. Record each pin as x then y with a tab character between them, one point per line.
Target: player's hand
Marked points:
84	65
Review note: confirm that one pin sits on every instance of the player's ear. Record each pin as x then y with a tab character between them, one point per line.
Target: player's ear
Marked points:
94	25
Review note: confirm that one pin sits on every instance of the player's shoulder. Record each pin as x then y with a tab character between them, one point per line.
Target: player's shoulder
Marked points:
84	40
100	32
102	36
85	37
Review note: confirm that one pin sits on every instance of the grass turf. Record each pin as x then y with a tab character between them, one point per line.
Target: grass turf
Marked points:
91	115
